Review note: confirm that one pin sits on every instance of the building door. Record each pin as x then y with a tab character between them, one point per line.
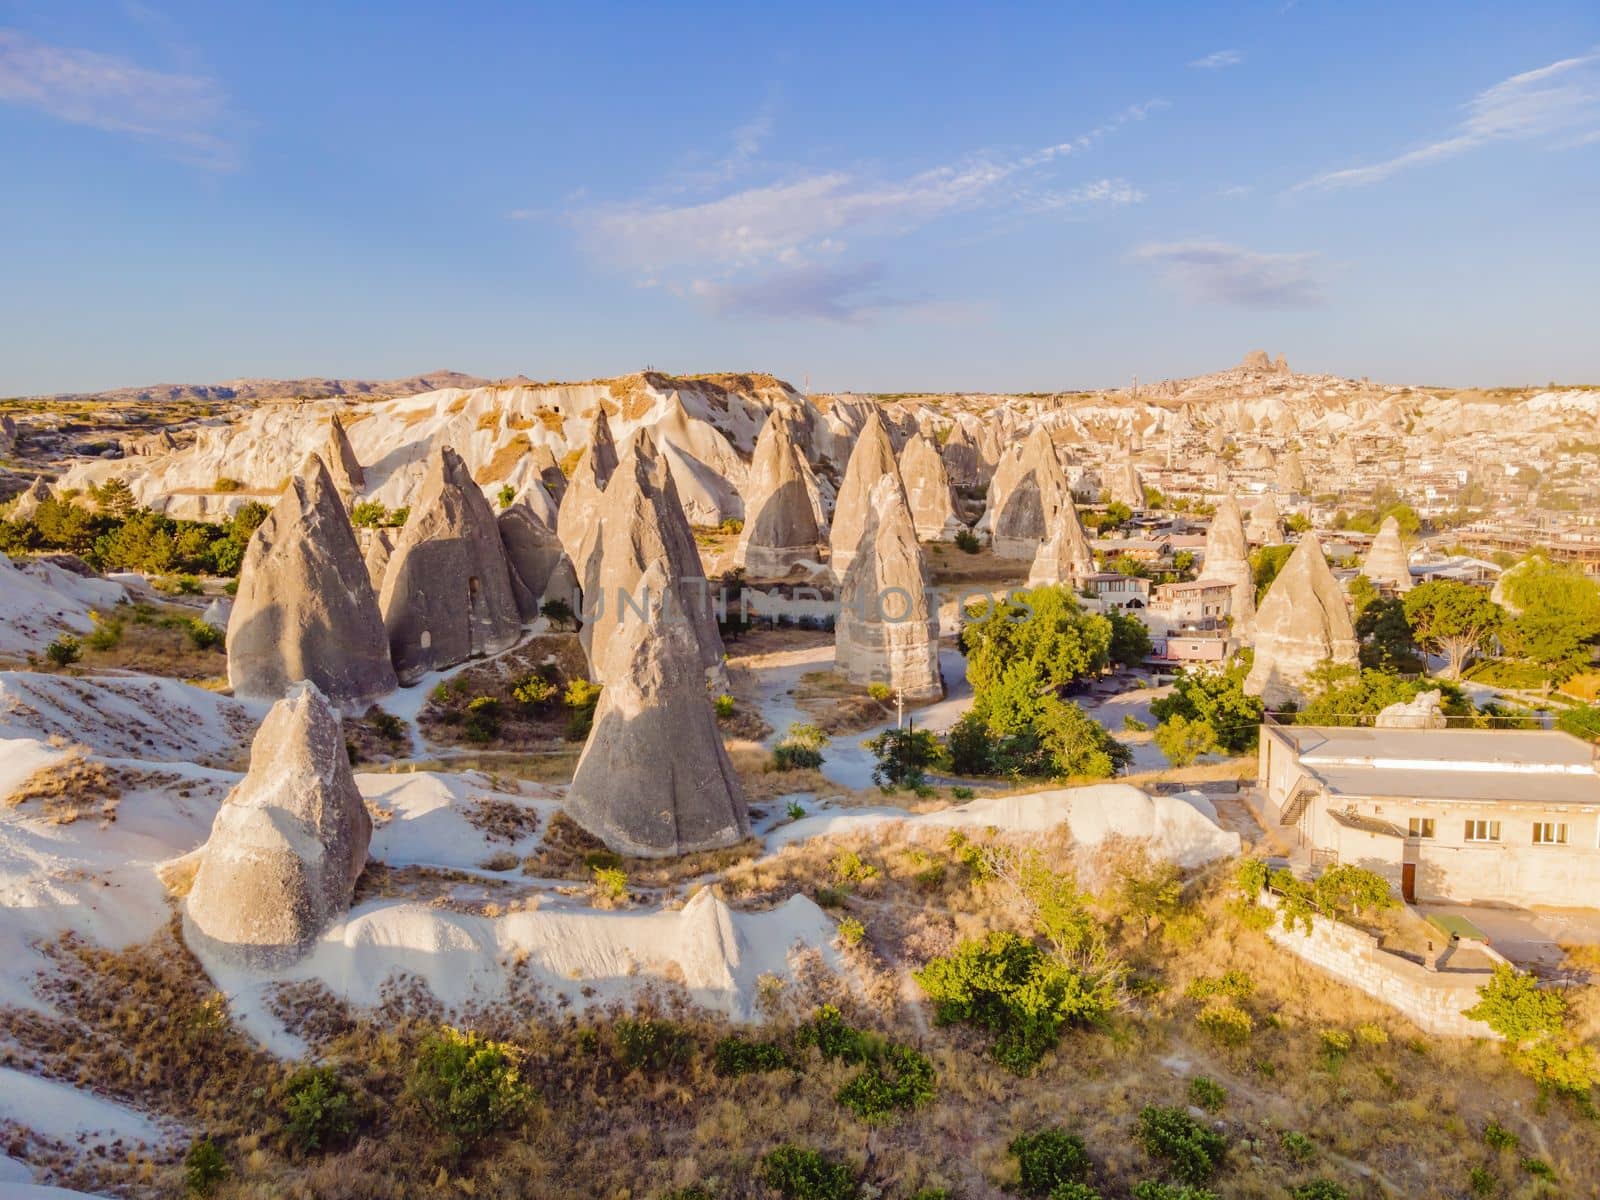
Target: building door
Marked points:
1408	882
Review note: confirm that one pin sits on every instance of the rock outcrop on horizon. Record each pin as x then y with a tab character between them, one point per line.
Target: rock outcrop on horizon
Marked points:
886	631
288	843
1065	558
1302	623
1227	558
1028	488
586	487
340	457
305	608
654	779
780	522
1387	563
639	524
872	458
1266	523
927	484
447	591
540	569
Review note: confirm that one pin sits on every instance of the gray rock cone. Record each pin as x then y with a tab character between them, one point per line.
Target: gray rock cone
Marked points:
1302	623
871	459
654	779
543	462
287	844
540	569
305	608
961	458
26	506
927	484
1125	485
1027	490
1065	558
1292	474
780	524
584	490
1387	564
343	466
447	590
886	630
1227	558
1266	523
640	524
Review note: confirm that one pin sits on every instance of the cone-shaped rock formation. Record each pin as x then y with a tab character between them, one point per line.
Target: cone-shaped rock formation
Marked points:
1292	474
961	458
1125	485
654	779
886	630
340	456
1065	558
871	459
287	844
780	521
27	504
1302	623
306	607
927	484
1028	488
1228	559
587	485
1387	564
1266	523
447	590
540	569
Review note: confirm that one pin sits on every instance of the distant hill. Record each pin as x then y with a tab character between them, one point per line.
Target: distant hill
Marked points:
281	389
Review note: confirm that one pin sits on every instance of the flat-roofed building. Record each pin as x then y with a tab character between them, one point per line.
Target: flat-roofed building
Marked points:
1499	816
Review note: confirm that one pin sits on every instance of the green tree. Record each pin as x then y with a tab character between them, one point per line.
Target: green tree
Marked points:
1077	744
1582	720
1130	639
1265	564
1214	697
1183	739
1348	697
1044	627
1386	641
115	497
1556	615
1452	619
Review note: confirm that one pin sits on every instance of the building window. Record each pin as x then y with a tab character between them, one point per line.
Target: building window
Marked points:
1422	827
1549	833
1483	831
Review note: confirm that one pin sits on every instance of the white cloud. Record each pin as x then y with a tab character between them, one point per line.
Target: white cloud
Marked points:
183	113
1216	272
845	295
783	222
1216	61
1560	99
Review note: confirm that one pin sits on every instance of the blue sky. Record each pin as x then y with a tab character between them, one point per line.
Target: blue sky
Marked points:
870	197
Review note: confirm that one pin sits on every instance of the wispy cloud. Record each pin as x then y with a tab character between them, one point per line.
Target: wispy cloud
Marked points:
1216	61
1216	272
184	114
794	234
1560	99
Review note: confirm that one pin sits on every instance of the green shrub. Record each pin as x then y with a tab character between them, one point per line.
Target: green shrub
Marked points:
368	514
611	883
1538	1168
736	1056
1133	724
851	931
648	1044
1483	1181
1006	985
203	1168
386	725
1152	1190
558	613
836	1038
967	541
897	1080
581	697
64	651
849	867
201	635
1235	985
797	1174
794	810
1207	1093
107	633
224	484
533	690
1497	1137
1192	1152
1320	1189
483	719
694	1191
787	756
506	495
467	1086
1226	1023
1047	1159
1297	1145
318	1110
962	793
723	706
881	692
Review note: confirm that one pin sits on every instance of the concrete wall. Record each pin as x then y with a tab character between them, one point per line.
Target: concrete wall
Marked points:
1433	1000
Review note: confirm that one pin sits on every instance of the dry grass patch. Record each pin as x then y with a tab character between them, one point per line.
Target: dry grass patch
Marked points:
71	788
568	851
502	820
504	459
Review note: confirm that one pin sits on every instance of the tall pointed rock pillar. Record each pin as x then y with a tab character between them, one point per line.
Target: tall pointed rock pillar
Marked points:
1065	559
1387	563
927	484
447	589
871	459
587	486
1227	558
1302	623
1025	494
886	630
780	524
305	608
